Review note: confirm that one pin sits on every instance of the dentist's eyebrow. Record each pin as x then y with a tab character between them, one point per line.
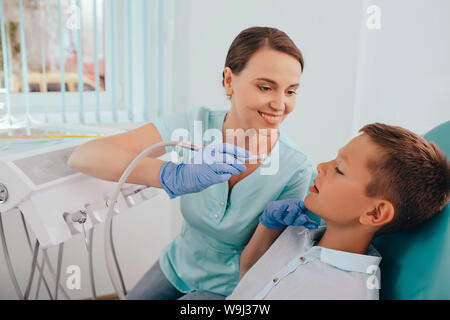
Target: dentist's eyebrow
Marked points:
275	83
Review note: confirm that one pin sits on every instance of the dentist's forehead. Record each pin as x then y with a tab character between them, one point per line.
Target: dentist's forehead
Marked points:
274	82
274	62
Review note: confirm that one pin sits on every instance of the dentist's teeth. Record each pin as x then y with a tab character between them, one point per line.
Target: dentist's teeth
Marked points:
269	117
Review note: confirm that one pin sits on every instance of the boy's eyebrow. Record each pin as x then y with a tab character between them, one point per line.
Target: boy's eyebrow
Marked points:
343	156
275	83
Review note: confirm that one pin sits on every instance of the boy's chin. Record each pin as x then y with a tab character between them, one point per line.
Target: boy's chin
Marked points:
311	205
308	202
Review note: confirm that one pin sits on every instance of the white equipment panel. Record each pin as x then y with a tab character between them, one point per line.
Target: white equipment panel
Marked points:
35	178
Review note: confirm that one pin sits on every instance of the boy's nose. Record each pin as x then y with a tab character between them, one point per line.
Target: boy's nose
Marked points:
322	168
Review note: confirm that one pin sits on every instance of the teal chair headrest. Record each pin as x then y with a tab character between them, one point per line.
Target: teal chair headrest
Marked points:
416	263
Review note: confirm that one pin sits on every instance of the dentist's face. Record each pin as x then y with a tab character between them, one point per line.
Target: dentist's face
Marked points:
264	92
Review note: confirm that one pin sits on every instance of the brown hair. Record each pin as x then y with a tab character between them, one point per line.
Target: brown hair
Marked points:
412	173
251	40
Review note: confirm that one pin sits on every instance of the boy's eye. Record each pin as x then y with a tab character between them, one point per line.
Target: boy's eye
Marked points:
339	171
292	92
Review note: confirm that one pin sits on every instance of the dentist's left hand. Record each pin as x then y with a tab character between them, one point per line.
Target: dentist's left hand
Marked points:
288	212
211	164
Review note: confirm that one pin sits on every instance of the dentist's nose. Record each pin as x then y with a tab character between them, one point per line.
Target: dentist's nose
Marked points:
278	103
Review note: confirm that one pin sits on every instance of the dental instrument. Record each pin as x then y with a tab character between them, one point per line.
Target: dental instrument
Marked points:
195	147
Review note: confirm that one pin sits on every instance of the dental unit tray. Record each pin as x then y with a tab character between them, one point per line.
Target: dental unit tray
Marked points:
35	178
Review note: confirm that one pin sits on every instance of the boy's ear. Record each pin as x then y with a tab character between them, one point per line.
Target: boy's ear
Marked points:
227	80
383	213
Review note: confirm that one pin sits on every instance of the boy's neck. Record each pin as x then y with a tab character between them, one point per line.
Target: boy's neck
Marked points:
354	240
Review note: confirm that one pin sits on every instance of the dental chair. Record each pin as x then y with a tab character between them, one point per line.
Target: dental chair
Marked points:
415	264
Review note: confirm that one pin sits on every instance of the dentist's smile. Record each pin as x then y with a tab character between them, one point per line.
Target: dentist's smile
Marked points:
270	118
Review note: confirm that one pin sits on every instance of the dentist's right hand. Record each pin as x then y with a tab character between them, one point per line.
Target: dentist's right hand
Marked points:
210	165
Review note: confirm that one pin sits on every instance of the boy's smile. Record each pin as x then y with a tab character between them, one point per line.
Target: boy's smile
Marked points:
314	188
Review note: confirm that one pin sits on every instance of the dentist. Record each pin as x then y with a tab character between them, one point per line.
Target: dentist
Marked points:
221	200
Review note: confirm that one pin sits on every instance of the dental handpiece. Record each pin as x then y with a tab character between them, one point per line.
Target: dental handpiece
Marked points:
196	147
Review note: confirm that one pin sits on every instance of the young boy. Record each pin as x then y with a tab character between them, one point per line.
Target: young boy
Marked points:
385	180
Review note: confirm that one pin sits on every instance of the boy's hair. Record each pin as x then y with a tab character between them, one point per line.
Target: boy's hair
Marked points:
410	172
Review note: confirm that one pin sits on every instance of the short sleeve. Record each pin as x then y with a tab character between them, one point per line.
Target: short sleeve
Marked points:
181	126
168	123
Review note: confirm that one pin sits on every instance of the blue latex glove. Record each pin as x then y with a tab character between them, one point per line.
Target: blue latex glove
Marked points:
288	212
211	164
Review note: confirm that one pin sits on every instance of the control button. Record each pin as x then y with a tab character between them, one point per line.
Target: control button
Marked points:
222	203
3	193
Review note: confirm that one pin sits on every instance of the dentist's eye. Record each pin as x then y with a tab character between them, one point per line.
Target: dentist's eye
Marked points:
339	171
263	88
292	93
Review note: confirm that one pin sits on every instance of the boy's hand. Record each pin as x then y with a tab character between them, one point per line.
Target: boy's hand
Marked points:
288	212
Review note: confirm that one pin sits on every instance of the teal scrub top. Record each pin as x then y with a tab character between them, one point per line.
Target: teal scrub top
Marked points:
217	225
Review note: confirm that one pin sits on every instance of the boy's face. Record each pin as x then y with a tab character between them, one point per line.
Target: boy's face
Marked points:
339	192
